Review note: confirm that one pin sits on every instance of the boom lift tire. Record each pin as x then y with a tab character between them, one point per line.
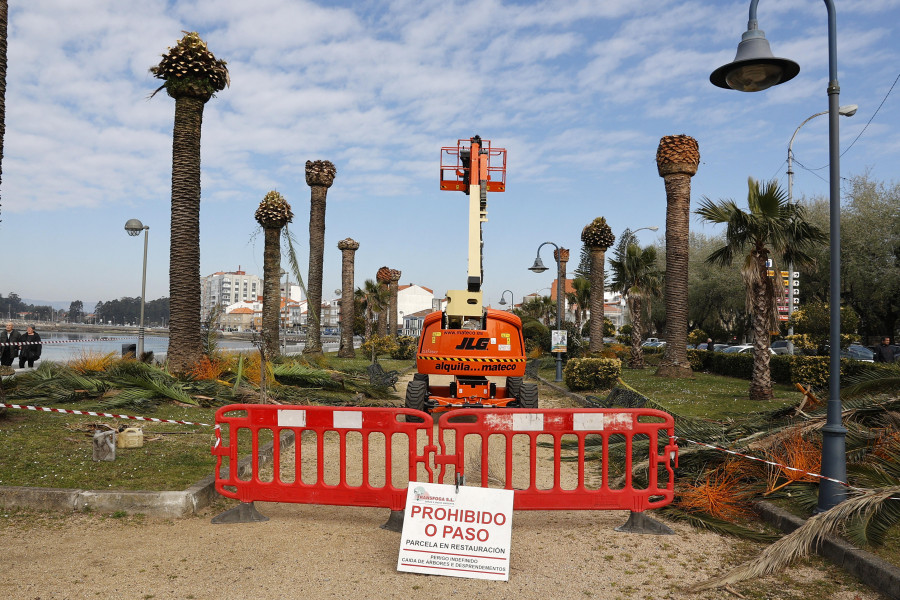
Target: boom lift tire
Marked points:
416	391
421	377
513	385
528	395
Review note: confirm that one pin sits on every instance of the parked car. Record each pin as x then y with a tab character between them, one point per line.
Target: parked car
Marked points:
782	347
720	347
857	352
742	349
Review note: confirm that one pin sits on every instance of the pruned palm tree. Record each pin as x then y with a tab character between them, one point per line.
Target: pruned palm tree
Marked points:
598	237
394	291
348	248
319	177
636	276
677	158
192	76
4	19
273	214
374	299
771	228
383	277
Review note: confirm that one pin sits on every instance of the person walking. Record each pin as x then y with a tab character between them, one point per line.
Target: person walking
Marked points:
31	347
710	345
9	348
884	353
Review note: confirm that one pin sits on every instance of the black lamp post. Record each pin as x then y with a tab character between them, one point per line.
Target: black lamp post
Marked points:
754	69
538	267
512	301
134	228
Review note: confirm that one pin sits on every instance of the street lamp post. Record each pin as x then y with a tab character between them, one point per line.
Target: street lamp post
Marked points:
512	301
754	69
846	111
134	228
538	267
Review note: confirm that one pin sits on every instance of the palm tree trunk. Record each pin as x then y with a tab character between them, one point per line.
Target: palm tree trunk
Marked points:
316	261
185	339
763	301
675	362
598	258
4	19
382	314
392	315
271	290
347	306
369	318
635	307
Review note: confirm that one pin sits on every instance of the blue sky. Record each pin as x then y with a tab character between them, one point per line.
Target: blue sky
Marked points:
578	92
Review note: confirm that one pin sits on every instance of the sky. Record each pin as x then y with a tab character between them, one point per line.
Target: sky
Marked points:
579	93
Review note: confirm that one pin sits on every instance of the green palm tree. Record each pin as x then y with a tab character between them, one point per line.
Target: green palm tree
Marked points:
319	177
636	275
192	76
772	228
273	214
580	300
374	298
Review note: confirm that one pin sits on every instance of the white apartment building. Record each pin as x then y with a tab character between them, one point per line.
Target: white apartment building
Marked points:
227	288
411	299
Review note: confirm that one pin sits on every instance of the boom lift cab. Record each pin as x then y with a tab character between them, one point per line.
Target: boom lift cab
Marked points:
470	357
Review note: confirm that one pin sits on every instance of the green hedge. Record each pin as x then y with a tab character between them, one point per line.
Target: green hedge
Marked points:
592	373
808	370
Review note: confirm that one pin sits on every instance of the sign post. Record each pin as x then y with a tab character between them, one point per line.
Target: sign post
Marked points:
456	531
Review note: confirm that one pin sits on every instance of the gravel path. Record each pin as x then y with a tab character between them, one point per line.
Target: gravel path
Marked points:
341	552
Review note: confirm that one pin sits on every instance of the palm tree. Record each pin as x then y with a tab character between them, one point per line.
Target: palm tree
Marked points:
394	290
635	274
273	214
383	277
772	228
677	158
4	19
373	299
598	237
319	177
192	76
580	299
348	248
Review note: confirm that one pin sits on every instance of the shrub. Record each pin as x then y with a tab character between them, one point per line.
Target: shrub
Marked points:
699	359
537	336
780	367
379	344
697	336
406	348
592	373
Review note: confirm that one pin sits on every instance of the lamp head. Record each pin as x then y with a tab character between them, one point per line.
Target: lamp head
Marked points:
754	68
848	110
654	228
538	266
134	227
502	301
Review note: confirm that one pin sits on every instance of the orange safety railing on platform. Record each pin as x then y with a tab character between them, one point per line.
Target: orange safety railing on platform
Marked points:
544	455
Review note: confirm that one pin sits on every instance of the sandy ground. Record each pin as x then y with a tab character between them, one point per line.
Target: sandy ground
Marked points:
341	552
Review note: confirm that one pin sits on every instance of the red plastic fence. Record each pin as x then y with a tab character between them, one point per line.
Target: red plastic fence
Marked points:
311	427
539	453
566	438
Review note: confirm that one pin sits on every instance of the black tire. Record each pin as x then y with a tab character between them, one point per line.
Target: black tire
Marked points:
513	385
528	395
421	377
416	392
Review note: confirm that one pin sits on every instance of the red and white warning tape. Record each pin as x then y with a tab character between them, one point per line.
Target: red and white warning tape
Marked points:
42	342
99	414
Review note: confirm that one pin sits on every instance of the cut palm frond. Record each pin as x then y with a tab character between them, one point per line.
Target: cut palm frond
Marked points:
799	543
720	526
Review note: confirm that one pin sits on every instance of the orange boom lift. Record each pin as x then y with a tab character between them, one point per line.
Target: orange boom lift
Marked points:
470	357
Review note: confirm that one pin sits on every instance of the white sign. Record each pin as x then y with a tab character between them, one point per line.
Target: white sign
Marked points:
558	340
459	532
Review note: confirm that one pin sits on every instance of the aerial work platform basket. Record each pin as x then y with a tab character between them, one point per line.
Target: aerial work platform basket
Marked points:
456	166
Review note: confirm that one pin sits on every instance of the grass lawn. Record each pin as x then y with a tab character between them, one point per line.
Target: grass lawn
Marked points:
43	449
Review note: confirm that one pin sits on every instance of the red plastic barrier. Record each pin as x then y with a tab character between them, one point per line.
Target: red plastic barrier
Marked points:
569	435
539	453
324	431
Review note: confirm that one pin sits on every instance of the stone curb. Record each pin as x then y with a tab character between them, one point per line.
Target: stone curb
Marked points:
865	566
868	568
166	504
